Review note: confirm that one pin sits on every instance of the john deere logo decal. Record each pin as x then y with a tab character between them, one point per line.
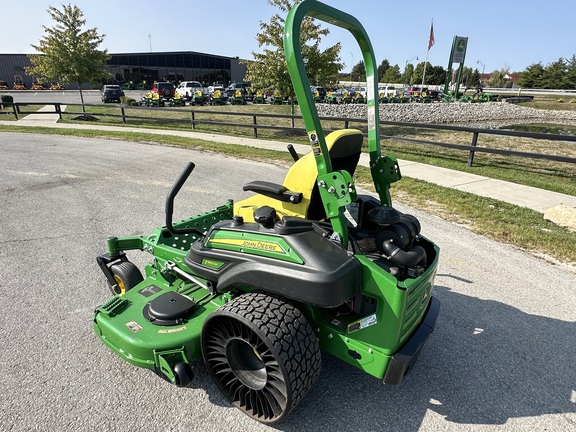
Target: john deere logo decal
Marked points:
251	244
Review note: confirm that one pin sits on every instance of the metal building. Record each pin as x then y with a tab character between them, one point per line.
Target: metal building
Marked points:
145	68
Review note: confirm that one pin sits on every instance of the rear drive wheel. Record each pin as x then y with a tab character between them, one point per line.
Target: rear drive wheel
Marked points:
263	355
126	275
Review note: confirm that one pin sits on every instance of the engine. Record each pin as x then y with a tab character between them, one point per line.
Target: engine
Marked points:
394	236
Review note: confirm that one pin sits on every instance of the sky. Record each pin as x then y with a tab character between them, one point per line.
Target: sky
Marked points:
501	34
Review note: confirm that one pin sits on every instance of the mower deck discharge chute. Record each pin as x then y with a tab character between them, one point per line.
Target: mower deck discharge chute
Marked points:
257	288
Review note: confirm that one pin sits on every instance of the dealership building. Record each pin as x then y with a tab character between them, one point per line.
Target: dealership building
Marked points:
146	68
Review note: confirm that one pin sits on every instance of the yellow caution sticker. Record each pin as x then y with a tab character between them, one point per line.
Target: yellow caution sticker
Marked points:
367	321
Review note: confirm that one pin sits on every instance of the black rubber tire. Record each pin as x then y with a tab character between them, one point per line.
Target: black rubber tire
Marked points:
127	276
166	92
262	354
183	374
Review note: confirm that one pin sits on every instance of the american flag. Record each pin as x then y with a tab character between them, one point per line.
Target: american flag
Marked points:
431	40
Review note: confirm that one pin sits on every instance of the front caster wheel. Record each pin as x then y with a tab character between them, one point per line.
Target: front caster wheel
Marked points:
183	374
262	354
126	275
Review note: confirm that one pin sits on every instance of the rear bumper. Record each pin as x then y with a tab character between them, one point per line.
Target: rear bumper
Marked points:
406	357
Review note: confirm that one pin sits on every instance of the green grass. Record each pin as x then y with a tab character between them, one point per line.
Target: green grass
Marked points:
551	102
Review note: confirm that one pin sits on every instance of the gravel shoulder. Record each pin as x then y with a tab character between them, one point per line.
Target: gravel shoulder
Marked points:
490	115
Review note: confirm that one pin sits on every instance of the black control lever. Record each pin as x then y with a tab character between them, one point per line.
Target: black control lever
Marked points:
170	202
293	152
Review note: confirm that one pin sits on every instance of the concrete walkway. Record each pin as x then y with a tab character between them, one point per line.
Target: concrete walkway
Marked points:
524	196
41	119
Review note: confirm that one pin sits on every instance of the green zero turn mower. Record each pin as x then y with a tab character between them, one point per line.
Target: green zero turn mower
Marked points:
256	288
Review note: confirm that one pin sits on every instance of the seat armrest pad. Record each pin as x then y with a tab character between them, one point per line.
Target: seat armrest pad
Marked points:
263	187
273	190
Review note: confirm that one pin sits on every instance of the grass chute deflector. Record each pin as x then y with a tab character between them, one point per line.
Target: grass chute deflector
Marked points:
384	170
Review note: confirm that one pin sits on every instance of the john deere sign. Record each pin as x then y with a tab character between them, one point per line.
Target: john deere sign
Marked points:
457	55
459	49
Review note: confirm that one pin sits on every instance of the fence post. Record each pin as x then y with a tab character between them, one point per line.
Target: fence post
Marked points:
123	115
193	123
345	124
471	154
255	129
15	110
58	110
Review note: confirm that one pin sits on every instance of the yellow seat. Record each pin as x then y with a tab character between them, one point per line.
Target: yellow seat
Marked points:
344	147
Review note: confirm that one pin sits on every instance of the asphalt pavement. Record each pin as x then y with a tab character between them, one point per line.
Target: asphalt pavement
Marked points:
499	359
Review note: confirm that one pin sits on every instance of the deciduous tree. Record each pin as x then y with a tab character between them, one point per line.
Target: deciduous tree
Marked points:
268	69
67	53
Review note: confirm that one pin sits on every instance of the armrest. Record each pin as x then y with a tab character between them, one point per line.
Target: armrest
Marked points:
274	191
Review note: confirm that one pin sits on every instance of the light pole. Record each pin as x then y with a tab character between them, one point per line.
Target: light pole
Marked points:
405	67
483	66
351	65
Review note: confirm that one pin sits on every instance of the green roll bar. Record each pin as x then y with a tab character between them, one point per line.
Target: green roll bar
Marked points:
337	188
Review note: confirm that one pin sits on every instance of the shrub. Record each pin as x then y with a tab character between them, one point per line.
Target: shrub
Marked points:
5	99
125	100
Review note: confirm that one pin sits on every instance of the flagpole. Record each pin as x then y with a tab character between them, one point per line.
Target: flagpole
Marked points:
430	43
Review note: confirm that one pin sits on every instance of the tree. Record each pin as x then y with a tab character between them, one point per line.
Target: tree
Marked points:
554	76
382	70
392	75
269	70
419	72
571	72
358	72
532	76
497	78
435	75
408	75
68	54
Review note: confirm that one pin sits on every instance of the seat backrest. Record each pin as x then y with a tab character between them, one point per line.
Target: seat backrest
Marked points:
344	147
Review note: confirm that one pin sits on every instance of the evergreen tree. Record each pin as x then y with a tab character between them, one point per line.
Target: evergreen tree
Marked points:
359	71
532	76
68	54
392	75
555	75
382	70
268	70
571	73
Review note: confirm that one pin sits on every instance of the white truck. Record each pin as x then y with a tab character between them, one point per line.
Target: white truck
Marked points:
186	89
